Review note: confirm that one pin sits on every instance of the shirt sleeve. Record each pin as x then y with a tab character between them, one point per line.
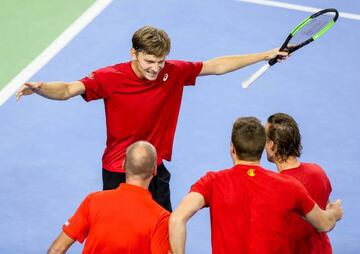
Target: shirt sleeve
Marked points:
303	202
77	227
160	239
95	84
204	186
190	70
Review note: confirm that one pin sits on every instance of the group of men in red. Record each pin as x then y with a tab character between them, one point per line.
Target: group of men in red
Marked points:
253	210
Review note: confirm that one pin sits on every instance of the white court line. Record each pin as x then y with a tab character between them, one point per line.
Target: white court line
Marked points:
298	7
59	43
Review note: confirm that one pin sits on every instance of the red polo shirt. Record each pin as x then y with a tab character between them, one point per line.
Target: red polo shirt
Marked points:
124	220
250	208
139	109
306	240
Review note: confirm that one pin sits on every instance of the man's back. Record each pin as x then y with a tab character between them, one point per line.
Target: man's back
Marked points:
306	239
125	220
250	208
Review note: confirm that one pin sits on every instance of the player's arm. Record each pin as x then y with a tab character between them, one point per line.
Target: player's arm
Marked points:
190	204
57	90
325	220
61	244
225	64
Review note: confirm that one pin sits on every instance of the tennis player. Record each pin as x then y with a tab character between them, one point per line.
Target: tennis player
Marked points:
250	207
109	226
142	100
283	147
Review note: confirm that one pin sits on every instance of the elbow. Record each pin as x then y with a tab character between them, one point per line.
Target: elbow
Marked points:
176	220
53	250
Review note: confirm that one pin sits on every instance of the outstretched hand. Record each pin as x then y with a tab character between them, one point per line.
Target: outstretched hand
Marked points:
283	55
28	88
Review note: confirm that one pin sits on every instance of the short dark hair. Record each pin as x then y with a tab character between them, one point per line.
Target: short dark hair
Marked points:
283	130
140	159
248	138
152	41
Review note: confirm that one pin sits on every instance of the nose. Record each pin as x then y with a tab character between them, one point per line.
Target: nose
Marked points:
156	68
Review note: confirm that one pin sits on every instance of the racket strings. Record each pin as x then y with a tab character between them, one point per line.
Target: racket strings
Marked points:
310	29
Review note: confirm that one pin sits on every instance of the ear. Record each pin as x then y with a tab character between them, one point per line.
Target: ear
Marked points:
133	54
271	145
154	171
232	149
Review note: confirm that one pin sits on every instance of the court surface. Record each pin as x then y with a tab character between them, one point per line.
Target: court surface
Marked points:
50	151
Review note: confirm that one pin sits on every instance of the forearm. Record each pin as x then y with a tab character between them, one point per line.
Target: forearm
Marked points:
328	222
56	90
53	250
325	220
225	64
61	244
177	235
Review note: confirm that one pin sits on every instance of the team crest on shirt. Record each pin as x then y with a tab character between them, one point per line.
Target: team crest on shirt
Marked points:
165	77
251	172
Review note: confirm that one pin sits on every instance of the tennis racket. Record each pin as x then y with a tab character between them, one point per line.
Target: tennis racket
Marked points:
307	31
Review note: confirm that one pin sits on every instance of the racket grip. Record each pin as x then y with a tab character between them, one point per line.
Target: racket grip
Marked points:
255	76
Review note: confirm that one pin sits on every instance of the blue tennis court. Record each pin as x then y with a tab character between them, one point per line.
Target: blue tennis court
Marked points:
50	151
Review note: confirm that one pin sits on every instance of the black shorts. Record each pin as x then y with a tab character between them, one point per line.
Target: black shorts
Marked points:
159	185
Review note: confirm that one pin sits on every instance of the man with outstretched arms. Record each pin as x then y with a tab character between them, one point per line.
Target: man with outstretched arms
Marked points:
142	100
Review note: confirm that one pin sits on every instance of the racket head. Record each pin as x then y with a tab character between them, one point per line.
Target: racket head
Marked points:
309	30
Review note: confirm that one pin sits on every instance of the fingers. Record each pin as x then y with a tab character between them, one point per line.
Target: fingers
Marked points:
18	95
20	92
28	88
336	208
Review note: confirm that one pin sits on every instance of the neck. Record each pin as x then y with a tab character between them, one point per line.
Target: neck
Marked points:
242	162
289	163
138	182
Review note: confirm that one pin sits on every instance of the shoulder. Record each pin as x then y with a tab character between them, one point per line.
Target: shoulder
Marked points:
312	168
285	179
113	69
182	64
100	195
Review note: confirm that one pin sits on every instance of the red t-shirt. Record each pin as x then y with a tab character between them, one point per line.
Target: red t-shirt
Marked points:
250	208
306	240
124	220
139	109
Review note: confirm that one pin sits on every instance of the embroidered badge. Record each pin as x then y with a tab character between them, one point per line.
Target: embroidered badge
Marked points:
166	76
251	172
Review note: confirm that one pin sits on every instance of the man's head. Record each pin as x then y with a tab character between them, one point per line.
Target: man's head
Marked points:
140	160
150	46
283	139
248	139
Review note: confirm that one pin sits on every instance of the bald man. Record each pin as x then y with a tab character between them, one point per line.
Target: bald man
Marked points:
123	220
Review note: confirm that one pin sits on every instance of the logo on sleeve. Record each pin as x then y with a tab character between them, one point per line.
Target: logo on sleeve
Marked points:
251	172
90	76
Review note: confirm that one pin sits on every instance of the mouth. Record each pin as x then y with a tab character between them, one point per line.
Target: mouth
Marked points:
152	74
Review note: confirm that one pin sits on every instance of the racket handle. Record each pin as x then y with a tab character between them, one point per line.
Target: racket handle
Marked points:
256	75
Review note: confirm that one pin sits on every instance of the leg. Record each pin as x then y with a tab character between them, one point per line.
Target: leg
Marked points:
160	188
112	180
